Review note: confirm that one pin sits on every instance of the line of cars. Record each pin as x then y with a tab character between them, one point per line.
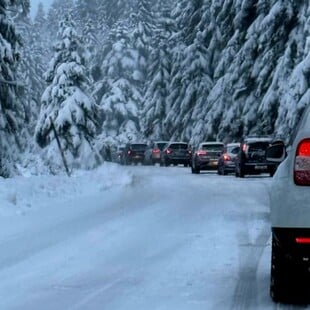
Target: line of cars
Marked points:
244	158
289	197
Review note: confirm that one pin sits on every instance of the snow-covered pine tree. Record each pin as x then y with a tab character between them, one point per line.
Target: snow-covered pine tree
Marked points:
154	109
289	91
117	93
57	12
261	30
142	37
67	103
12	111
190	69
116	10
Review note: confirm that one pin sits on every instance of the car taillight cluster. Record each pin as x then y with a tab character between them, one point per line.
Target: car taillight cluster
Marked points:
302	163
202	153
226	157
168	151
302	240
156	151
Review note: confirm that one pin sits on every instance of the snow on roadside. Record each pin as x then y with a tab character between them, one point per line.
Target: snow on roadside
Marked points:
24	193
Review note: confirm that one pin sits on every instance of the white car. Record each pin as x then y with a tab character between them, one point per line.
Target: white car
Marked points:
290	217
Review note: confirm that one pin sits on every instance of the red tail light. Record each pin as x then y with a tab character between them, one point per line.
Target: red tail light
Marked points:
168	151
129	152
156	151
226	157
202	153
302	163
303	240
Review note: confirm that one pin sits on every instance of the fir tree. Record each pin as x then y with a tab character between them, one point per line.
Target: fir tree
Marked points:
12	114
67	104
116	91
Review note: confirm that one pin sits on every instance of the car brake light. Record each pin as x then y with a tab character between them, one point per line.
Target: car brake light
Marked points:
156	151
302	163
226	157
202	153
244	148
168	151
303	240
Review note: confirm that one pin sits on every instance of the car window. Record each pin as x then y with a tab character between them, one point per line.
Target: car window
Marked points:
213	147
178	146
233	149
258	146
138	146
161	145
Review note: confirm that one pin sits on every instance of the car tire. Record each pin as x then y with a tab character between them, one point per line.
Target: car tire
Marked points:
276	273
167	163
241	172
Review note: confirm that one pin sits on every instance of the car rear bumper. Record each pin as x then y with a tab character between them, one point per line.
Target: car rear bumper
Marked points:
257	168
207	164
177	160
293	243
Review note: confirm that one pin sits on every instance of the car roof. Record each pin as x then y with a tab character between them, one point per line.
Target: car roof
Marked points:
233	144
177	142
257	139
211	143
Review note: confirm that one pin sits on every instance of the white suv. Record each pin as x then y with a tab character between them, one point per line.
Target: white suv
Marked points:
290	217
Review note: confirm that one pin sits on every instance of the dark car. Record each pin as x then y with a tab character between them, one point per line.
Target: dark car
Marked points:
175	153
152	154
226	162
133	153
206	156
251	159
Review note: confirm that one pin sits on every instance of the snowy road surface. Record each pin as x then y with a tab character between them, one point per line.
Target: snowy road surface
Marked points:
135	238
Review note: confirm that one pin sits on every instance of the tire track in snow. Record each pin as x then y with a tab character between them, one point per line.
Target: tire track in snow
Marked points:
245	295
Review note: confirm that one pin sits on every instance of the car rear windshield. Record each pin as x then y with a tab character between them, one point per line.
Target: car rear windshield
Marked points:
258	146
232	149
138	146
179	146
212	147
161	145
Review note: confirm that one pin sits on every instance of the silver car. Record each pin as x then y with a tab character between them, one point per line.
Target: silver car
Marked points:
226	162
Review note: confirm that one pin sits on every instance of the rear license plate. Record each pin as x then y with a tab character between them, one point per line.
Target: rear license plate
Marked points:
261	167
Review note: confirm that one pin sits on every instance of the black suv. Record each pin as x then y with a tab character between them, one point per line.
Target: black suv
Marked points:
251	158
176	153
133	153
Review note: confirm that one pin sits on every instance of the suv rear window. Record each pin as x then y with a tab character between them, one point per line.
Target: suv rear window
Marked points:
138	146
161	145
213	147
178	146
258	146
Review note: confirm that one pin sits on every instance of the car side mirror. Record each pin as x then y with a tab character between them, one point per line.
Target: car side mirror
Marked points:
276	153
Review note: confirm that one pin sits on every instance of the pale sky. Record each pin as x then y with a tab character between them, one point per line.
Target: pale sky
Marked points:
34	5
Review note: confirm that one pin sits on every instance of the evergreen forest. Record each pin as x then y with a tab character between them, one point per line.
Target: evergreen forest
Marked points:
101	73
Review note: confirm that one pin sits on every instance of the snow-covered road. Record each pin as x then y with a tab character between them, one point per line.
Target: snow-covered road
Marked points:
135	238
